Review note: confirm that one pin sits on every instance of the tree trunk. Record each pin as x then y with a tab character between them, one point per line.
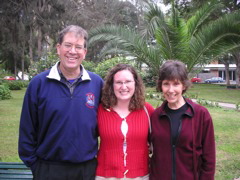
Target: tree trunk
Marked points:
236	56
225	61
30	42
15	66
22	59
39	42
227	73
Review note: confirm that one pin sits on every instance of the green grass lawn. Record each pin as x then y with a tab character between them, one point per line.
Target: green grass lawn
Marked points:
215	92
227	136
10	111
226	124
211	92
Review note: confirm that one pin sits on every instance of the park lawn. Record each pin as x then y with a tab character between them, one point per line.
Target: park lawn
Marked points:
211	92
227	136
226	123
215	92
10	111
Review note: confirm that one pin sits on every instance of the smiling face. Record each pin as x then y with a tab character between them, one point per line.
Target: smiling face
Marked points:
172	91
71	52
123	85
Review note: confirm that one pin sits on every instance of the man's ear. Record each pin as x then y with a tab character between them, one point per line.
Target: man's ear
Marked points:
58	48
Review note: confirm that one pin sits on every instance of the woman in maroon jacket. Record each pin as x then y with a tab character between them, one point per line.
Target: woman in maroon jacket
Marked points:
182	131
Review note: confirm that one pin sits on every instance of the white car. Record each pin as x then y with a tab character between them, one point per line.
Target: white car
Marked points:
214	80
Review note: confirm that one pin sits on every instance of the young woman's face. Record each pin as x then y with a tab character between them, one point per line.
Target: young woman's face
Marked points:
124	85
172	91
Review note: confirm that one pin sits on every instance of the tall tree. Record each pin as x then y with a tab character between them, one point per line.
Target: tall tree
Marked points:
236	56
226	60
26	27
30	28
12	34
92	13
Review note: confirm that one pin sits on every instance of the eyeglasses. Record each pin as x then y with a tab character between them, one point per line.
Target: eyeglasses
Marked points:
69	47
126	83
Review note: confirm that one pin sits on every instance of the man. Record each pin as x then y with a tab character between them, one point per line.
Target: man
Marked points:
58	138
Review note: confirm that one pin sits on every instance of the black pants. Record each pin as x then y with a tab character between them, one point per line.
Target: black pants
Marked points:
46	170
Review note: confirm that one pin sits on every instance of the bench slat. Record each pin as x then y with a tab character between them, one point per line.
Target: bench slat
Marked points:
15	166
11	163
15	172
15	176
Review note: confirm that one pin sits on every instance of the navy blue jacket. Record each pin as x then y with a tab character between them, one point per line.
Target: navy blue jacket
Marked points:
56	125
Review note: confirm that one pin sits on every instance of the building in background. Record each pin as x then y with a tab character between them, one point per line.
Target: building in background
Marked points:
217	70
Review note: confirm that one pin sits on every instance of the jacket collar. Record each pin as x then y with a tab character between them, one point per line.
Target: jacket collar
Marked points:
54	74
189	112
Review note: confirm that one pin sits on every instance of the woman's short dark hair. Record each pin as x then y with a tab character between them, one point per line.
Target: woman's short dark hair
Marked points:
173	70
109	98
79	31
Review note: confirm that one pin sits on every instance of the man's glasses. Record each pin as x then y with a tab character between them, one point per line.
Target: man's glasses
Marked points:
69	47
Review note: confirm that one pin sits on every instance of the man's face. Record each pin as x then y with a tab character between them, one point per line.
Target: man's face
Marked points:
71	52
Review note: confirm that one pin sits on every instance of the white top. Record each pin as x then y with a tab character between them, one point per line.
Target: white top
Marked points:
124	129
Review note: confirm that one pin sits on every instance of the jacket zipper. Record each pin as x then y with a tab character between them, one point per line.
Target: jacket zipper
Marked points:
174	150
71	89
173	162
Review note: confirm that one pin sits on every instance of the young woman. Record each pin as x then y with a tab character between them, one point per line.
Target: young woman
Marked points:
182	131
123	125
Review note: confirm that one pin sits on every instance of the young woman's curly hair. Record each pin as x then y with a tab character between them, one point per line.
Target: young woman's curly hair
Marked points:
109	98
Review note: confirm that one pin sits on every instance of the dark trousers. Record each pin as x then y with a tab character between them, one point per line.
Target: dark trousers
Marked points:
46	170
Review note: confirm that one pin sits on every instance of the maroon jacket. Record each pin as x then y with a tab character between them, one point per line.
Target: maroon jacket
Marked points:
178	163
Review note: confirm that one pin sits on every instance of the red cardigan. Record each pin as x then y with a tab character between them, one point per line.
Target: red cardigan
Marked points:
197	121
110	155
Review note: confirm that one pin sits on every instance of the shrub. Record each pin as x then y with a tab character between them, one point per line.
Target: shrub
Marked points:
204	102
103	67
15	85
149	79
191	95
43	64
5	92
238	106
4	72
24	83
89	65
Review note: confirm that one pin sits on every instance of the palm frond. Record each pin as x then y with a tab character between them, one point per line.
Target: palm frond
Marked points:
197	21
154	19
220	33
196	41
121	40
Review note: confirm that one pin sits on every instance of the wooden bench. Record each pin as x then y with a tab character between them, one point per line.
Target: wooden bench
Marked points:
14	171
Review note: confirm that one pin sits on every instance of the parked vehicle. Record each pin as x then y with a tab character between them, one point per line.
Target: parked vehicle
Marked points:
196	80
9	78
214	80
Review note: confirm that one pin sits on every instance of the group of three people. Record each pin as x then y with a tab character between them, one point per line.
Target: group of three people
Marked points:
67	108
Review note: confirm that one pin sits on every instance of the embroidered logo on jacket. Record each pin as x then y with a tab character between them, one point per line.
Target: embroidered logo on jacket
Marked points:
90	100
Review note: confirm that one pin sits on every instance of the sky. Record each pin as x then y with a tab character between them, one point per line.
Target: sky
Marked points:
162	6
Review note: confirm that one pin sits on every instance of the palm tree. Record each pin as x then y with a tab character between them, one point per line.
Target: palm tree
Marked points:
196	41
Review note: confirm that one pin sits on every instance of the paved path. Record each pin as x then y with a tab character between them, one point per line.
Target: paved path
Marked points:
227	105
224	105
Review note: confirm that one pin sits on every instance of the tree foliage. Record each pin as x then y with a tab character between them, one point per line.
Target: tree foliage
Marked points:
29	29
197	40
187	8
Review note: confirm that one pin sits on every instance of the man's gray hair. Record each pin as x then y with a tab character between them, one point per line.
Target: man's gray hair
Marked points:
79	31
